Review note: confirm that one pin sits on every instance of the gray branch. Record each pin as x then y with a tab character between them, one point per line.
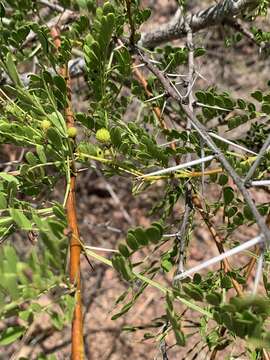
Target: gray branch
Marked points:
213	15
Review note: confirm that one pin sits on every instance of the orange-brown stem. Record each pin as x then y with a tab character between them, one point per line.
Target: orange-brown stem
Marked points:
149	94
77	345
251	264
226	265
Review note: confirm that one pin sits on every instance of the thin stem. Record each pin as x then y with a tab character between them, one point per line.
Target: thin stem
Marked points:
258	274
154	284
131	24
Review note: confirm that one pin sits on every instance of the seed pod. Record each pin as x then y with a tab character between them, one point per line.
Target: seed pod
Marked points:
103	135
72	132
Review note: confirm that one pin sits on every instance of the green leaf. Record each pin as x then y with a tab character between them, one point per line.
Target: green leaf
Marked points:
82	3
108	8
193	291
41	153
2	10
3	201
199	52
141	236
12	70
123	249
60	83
57	320
85	120
9	178
257	95
153	234
31	158
166	265
226	282
20	219
56	118
55	139
59	212
241	103
223	179
11	257
248	213
132	242
228	195
116	136
43	41
11	334
266	108
11	285
213	298
201	96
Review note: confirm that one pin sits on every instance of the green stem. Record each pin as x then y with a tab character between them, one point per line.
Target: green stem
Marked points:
152	283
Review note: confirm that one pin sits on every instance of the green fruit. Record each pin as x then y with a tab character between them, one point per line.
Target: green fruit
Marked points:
72	132
45	124
103	135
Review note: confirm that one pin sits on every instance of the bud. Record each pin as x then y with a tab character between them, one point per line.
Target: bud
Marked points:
45	124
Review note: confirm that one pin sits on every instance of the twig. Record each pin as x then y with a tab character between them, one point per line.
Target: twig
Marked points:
60	20
163	350
149	94
182	234
258	274
251	264
52	6
131	24
236	25
188	203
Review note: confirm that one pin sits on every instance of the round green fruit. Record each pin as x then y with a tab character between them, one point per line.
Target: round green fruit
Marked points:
72	132
45	124
103	135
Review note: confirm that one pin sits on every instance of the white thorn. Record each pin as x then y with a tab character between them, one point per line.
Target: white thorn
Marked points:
178	167
221	257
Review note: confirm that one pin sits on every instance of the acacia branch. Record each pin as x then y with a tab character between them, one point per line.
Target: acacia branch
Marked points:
202	131
213	15
77	345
